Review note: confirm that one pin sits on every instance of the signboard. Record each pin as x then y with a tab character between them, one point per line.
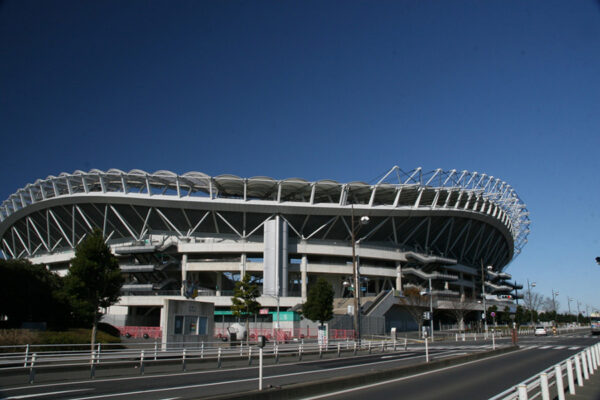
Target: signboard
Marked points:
323	335
264	311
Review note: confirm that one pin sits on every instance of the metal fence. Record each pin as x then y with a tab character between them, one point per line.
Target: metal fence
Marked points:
550	383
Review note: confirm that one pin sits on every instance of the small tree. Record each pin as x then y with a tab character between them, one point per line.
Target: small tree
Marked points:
414	304
460	309
319	303
94	279
244	301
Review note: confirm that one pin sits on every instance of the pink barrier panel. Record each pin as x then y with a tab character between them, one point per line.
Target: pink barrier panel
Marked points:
153	332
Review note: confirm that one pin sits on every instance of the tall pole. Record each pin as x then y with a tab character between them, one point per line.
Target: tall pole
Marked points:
529	285
355	272
431	310
578	312
554	294
483	296
569	300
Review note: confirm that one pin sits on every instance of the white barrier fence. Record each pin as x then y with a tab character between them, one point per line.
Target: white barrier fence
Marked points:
31	361
576	370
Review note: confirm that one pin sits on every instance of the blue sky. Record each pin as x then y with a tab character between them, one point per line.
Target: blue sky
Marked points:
338	90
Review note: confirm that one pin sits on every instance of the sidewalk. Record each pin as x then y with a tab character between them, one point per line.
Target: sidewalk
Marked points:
589	391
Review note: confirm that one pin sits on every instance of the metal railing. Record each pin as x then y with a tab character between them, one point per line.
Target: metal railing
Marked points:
36	358
550	382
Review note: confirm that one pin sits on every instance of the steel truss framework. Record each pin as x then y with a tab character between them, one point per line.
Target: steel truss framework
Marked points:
468	216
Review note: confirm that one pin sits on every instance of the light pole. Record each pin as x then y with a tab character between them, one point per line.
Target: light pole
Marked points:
578	312
363	221
554	295
529	286
569	300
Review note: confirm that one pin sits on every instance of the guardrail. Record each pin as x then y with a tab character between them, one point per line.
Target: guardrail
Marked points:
30	362
575	368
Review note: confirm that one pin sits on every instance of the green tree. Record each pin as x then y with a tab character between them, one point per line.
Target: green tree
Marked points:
319	303
244	301
30	293
94	280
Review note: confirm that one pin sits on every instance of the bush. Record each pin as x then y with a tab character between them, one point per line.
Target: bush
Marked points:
21	337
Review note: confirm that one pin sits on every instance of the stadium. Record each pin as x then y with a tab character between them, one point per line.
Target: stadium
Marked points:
193	235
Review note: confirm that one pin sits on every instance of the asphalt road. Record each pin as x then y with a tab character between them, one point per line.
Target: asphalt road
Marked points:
479	379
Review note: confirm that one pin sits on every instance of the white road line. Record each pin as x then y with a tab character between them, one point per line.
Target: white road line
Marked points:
545	347
28	396
574	347
230	382
402	378
559	347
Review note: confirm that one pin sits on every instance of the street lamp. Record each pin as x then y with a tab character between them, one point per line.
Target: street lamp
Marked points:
569	300
529	286
489	268
554	295
578	312
363	221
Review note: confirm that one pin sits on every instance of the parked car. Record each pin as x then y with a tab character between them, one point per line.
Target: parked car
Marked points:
540	331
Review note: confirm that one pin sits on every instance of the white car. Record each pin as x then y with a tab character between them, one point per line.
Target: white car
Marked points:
540	331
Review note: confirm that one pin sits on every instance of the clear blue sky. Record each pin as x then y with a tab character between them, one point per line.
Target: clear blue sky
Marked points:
338	90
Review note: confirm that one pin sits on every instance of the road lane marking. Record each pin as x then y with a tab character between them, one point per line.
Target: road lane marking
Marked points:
574	347
28	396
403	378
545	347
228	382
559	347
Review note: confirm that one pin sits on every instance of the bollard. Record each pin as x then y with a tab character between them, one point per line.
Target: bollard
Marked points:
456	337
92	365
426	350
405	344
354	348
98	353
588	355
369	347
219	357
522	390
383	346
560	389
32	369
26	356
260	368
202	350
339	350
183	367
463	337
584	367
142	362
249	355
570	379
578	371
493	340
544	386
394	343
155	349
241	350
320	351
347	344
276	354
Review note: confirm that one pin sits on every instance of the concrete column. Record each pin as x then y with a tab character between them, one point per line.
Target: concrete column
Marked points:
399	277
219	283
244	258
184	259
304	275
